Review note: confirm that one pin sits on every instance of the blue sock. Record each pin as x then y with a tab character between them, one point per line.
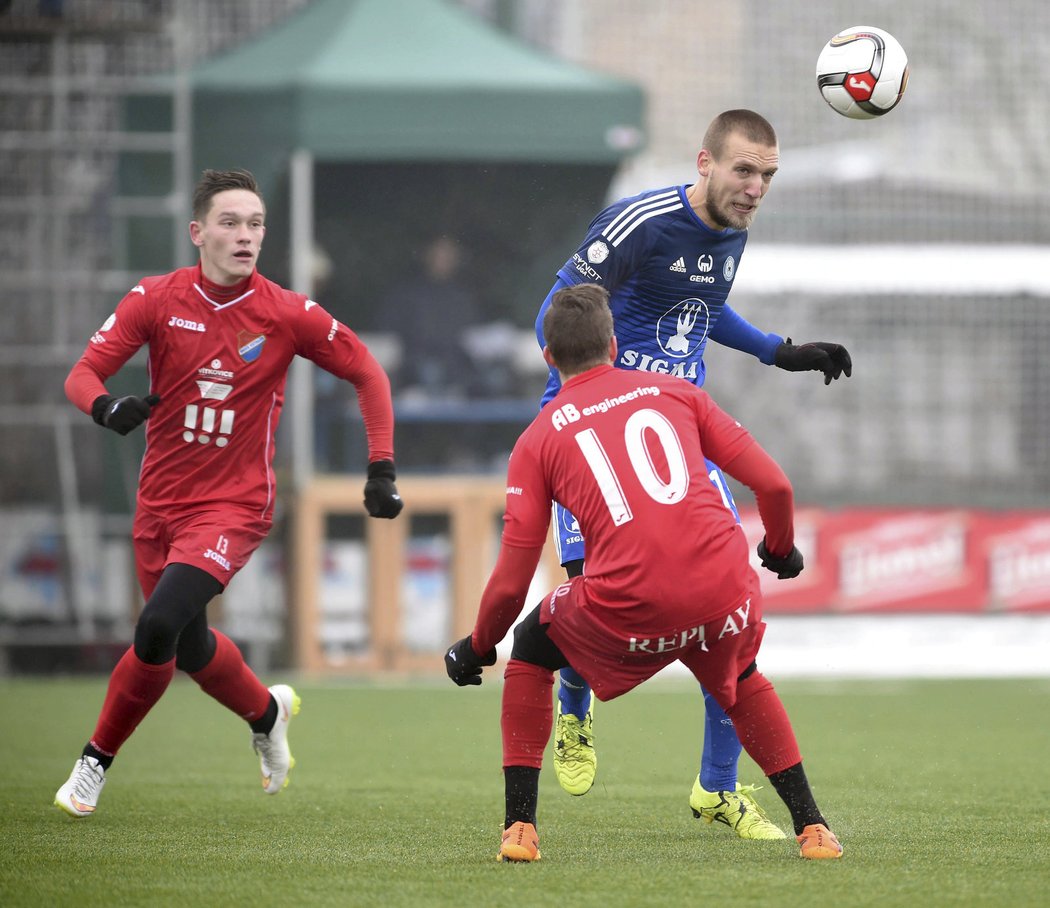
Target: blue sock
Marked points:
574	694
721	748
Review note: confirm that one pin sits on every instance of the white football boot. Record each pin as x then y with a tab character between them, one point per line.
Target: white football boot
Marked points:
275	757
79	796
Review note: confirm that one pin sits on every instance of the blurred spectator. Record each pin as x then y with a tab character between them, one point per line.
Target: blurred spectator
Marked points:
431	311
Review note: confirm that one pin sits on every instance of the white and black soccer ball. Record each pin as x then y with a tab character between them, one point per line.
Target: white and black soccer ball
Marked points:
862	72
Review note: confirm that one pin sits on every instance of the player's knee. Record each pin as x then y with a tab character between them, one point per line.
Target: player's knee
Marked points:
155	636
752	683
524	647
193	653
532	645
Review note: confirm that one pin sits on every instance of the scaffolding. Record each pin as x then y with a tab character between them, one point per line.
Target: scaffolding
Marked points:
65	82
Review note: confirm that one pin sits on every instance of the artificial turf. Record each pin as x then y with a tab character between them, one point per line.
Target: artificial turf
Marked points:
938	790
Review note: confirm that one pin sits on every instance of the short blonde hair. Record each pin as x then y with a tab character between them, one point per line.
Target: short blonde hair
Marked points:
752	126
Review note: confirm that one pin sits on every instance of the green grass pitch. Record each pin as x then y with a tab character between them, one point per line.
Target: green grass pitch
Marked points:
939	791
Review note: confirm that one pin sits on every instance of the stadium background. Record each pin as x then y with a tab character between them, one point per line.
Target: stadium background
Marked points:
919	240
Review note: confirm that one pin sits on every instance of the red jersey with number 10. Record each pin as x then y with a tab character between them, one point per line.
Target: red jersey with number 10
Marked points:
624	451
220	371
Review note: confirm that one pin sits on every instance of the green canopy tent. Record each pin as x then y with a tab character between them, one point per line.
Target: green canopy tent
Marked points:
404	80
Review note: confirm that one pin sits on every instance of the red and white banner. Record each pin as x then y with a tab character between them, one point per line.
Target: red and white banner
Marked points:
897	560
1016	548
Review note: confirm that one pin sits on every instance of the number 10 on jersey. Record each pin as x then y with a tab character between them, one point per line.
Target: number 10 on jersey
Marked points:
639	455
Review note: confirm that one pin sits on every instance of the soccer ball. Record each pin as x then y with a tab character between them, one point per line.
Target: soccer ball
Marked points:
862	72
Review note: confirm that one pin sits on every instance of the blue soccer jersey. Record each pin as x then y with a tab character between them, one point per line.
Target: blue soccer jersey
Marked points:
668	276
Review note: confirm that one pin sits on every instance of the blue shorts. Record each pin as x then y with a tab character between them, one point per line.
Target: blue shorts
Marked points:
569	542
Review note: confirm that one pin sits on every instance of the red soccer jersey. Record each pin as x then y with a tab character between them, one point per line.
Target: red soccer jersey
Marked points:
220	371
624	451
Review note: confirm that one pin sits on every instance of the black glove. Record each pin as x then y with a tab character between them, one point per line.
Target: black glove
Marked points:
464	665
122	414
381	498
790	565
831	359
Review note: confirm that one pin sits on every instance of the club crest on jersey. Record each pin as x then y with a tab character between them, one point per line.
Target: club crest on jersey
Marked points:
682	328
571	524
249	346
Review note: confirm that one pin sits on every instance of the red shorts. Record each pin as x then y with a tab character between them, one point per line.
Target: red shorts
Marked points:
613	661
219	542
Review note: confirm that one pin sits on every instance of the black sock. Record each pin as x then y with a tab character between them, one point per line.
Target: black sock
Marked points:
522	789
793	787
266	722
105	760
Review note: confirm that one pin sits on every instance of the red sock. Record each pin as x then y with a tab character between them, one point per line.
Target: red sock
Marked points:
763	725
134	687
528	713
228	679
